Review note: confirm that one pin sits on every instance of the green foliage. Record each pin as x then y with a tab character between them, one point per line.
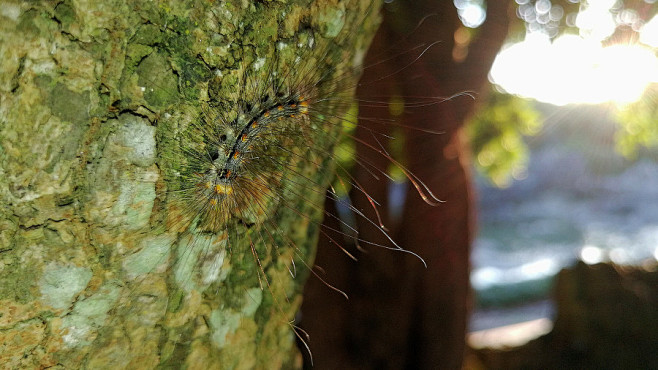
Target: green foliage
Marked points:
638	124
496	135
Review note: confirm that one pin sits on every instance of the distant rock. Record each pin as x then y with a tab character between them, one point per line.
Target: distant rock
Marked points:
607	318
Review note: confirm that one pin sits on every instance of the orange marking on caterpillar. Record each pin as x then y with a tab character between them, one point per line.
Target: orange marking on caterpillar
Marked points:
304	107
244	138
266	114
236	155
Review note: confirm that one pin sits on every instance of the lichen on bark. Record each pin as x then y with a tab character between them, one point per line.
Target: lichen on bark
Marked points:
95	98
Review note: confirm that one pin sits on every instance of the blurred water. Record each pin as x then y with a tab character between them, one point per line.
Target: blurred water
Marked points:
580	200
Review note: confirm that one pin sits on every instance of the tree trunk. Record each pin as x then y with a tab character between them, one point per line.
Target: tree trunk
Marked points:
400	314
97	270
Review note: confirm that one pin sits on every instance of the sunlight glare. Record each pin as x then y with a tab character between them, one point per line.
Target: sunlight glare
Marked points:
591	255
572	69
595	20
578	68
471	12
649	33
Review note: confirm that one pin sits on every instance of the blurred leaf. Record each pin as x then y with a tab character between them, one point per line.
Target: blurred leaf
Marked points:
639	124
496	135
344	153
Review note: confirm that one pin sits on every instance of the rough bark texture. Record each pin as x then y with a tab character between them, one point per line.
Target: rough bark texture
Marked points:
94	96
400	314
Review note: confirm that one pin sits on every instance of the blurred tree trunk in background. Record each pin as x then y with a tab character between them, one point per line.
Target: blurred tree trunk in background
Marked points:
401	315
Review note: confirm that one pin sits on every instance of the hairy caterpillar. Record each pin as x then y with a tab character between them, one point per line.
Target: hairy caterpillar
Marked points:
230	177
171	274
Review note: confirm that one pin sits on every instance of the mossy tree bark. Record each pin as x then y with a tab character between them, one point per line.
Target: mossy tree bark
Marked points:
94	97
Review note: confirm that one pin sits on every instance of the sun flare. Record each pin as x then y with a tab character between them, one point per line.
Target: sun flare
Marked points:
574	69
